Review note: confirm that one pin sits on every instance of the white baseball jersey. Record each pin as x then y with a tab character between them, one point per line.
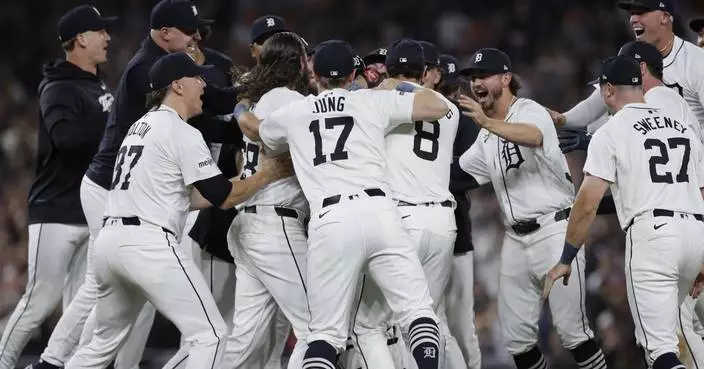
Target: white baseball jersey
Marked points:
651	159
684	73
159	160
419	156
668	100
529	182
336	139
284	192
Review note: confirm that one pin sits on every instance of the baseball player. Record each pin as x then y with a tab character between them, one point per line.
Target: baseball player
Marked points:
418	159
174	25
263	28
160	161
517	151
268	236
336	140
74	103
433	73
375	71
460	292
653	164
652	22
697	26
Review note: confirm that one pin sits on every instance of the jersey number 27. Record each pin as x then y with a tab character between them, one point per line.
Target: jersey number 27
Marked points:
134	152
664	149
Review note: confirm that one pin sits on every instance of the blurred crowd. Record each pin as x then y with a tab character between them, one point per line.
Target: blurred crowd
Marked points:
555	46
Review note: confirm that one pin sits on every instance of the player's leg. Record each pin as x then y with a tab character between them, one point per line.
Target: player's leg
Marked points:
460	308
395	267
652	278
220	276
566	302
519	305
51	248
335	257
370	319
693	342
282	331
181	294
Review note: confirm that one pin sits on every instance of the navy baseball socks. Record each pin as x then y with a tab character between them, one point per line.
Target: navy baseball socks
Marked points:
668	361
320	355
588	355
532	359
424	341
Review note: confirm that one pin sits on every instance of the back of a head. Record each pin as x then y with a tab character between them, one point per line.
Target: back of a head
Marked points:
647	53
621	82
333	64
405	58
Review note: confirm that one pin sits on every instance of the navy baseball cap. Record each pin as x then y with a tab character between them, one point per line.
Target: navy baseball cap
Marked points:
181	14
642	52
647	5
488	61
376	56
174	66
620	70
82	19
697	25
265	26
449	65
359	65
406	52
430	53
334	59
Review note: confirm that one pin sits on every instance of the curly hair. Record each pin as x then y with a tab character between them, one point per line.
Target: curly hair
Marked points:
282	63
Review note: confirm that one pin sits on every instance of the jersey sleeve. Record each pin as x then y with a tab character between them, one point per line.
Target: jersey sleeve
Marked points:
397	105
537	115
601	157
272	131
474	161
194	158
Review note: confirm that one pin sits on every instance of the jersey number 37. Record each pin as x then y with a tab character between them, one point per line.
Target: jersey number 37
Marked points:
133	153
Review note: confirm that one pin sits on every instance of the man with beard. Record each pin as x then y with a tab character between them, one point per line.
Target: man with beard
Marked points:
518	152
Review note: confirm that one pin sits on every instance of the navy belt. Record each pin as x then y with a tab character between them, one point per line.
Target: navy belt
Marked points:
444	204
136	222
532	225
280	211
371	192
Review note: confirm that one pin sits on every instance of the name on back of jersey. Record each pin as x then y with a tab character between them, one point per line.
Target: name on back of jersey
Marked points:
327	104
139	128
653	123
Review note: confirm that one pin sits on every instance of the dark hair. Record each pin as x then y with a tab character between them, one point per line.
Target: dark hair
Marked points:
655	71
514	85
69	45
280	64
404	70
156	98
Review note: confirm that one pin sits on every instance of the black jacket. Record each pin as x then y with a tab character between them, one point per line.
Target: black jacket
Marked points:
74	107
467	132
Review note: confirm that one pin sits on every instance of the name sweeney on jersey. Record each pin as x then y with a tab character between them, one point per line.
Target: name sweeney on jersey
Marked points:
646	125
139	128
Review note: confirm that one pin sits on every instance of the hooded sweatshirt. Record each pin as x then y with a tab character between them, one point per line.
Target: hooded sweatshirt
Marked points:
73	110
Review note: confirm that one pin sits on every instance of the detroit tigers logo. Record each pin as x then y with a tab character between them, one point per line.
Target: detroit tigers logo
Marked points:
478	57
429	352
451	68
511	155
270	22
106	101
382	51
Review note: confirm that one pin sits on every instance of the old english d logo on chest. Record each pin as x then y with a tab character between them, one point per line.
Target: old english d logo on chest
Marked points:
511	155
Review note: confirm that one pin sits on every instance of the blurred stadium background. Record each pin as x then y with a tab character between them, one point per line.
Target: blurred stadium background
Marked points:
555	45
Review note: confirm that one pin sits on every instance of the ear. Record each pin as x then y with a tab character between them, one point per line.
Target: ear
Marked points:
506	79
81	40
165	34
177	87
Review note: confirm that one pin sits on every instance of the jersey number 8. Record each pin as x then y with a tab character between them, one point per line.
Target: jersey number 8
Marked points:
135	152
429	136
664	158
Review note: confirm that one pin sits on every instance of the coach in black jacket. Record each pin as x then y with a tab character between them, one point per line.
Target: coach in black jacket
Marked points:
74	104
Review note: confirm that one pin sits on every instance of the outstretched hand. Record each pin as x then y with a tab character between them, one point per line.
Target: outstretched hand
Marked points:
471	108
558	271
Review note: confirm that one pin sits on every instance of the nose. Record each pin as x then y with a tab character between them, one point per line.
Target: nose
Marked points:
635	18
196	36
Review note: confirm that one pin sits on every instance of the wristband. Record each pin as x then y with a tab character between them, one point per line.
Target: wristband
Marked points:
239	110
569	252
405	87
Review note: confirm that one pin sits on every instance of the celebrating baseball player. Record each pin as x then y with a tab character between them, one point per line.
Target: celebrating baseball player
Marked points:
74	103
268	236
517	151
336	142
653	164
159	162
418	160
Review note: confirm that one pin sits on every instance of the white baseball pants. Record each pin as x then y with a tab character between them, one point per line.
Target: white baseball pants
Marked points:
686	321
69	331
270	253
525	261
661	264
56	268
459	307
134	264
347	239
433	231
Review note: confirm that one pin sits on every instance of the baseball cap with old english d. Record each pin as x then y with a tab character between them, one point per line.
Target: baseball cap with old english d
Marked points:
334	59
181	14
265	26
647	5
488	60
81	19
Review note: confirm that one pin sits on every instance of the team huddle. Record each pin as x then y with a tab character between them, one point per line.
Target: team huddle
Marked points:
322	194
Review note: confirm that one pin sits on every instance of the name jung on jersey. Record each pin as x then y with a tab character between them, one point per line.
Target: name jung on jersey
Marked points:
646	125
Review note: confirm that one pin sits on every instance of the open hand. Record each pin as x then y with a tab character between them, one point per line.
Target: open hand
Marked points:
276	167
698	285
558	119
473	109
558	271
